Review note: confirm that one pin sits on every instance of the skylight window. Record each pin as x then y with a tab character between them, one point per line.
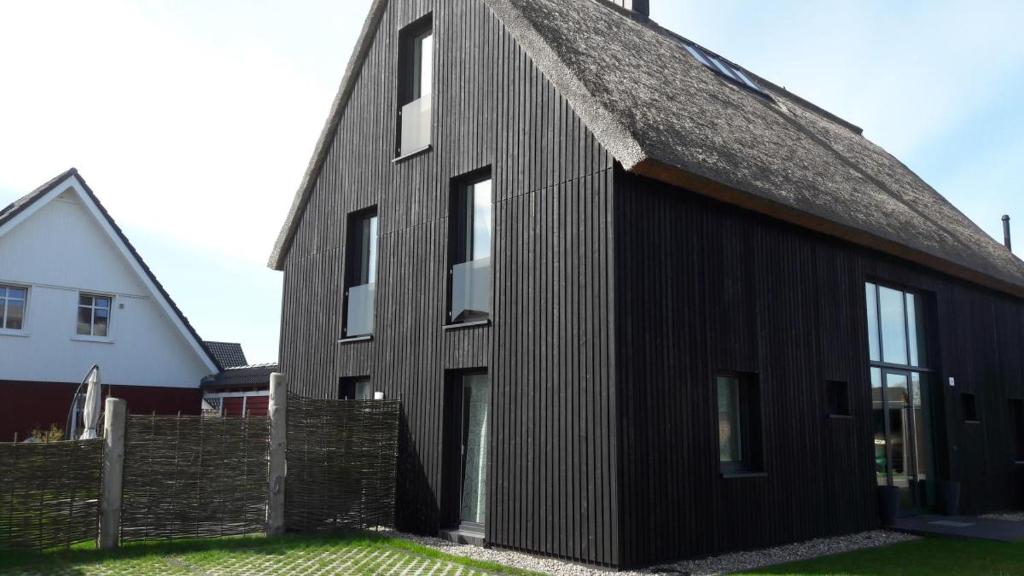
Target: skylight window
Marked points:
734	74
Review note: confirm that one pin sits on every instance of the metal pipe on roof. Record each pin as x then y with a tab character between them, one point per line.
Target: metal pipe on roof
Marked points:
1006	233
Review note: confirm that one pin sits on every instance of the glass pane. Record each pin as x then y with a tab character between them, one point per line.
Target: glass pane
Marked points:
872	304
482	221
471	290
918	352
372	252
84	321
360	310
3	292
84	300
894	326
729	448
415	125
17	293
721	67
878	426
696	54
102	320
102	302
426	65
364	390
922	425
476	400
15	315
897	404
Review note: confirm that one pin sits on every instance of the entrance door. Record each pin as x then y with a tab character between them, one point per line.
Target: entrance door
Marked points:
466	447
902	440
476	401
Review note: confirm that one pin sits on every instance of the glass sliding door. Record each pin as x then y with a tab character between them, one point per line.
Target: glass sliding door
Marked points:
476	401
900	383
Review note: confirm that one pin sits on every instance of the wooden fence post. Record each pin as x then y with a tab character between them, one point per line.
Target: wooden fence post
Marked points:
278	445
113	472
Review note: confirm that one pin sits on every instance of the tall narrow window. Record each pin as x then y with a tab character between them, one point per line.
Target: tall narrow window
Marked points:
12	307
93	315
739	423
471	234
465	457
361	273
901	388
1017	428
416	67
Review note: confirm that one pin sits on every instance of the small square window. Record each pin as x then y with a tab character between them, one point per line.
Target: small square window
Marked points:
359	388
838	398
739	423
969	406
13	300
94	315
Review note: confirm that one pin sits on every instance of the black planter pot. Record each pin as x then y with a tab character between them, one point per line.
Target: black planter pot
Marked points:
951	498
888	504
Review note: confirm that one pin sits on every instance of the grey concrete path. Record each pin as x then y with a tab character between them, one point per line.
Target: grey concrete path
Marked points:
962	527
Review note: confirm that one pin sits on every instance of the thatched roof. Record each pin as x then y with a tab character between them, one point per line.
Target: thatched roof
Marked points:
662	114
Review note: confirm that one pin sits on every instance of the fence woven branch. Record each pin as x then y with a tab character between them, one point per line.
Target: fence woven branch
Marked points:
189	476
342	464
49	493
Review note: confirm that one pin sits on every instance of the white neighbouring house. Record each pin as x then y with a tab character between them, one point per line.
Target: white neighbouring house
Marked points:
73	293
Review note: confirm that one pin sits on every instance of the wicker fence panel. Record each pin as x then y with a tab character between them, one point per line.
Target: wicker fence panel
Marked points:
342	464
190	476
49	493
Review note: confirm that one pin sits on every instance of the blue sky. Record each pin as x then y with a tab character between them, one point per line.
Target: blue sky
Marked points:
193	120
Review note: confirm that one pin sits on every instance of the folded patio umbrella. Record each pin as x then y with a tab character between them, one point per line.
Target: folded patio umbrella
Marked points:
91	410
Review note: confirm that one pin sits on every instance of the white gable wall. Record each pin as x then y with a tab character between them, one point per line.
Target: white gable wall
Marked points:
58	251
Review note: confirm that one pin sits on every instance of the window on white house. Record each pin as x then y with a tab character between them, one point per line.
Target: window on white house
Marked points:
12	307
94	315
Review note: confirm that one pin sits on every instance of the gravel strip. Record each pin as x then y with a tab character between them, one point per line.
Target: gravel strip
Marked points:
707	567
1011	516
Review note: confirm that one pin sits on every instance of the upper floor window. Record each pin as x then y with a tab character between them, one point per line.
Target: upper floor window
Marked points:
12	307
471	233
94	315
416	71
895	327
360	273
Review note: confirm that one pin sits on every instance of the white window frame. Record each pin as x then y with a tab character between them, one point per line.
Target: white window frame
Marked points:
92	319
3	310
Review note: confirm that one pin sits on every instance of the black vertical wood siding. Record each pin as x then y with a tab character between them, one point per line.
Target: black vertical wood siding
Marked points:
616	299
553	484
703	287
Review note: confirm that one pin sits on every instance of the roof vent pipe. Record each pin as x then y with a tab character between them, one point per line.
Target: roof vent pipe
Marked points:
641	7
1006	233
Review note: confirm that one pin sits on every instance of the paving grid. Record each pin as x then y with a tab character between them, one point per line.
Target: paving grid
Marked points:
369	560
724	564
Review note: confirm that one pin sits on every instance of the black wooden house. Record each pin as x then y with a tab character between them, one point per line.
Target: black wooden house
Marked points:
638	302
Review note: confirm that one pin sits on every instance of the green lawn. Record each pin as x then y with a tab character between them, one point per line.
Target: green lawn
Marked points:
932	556
360	554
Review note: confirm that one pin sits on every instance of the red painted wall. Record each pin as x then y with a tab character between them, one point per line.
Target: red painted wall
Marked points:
25	406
